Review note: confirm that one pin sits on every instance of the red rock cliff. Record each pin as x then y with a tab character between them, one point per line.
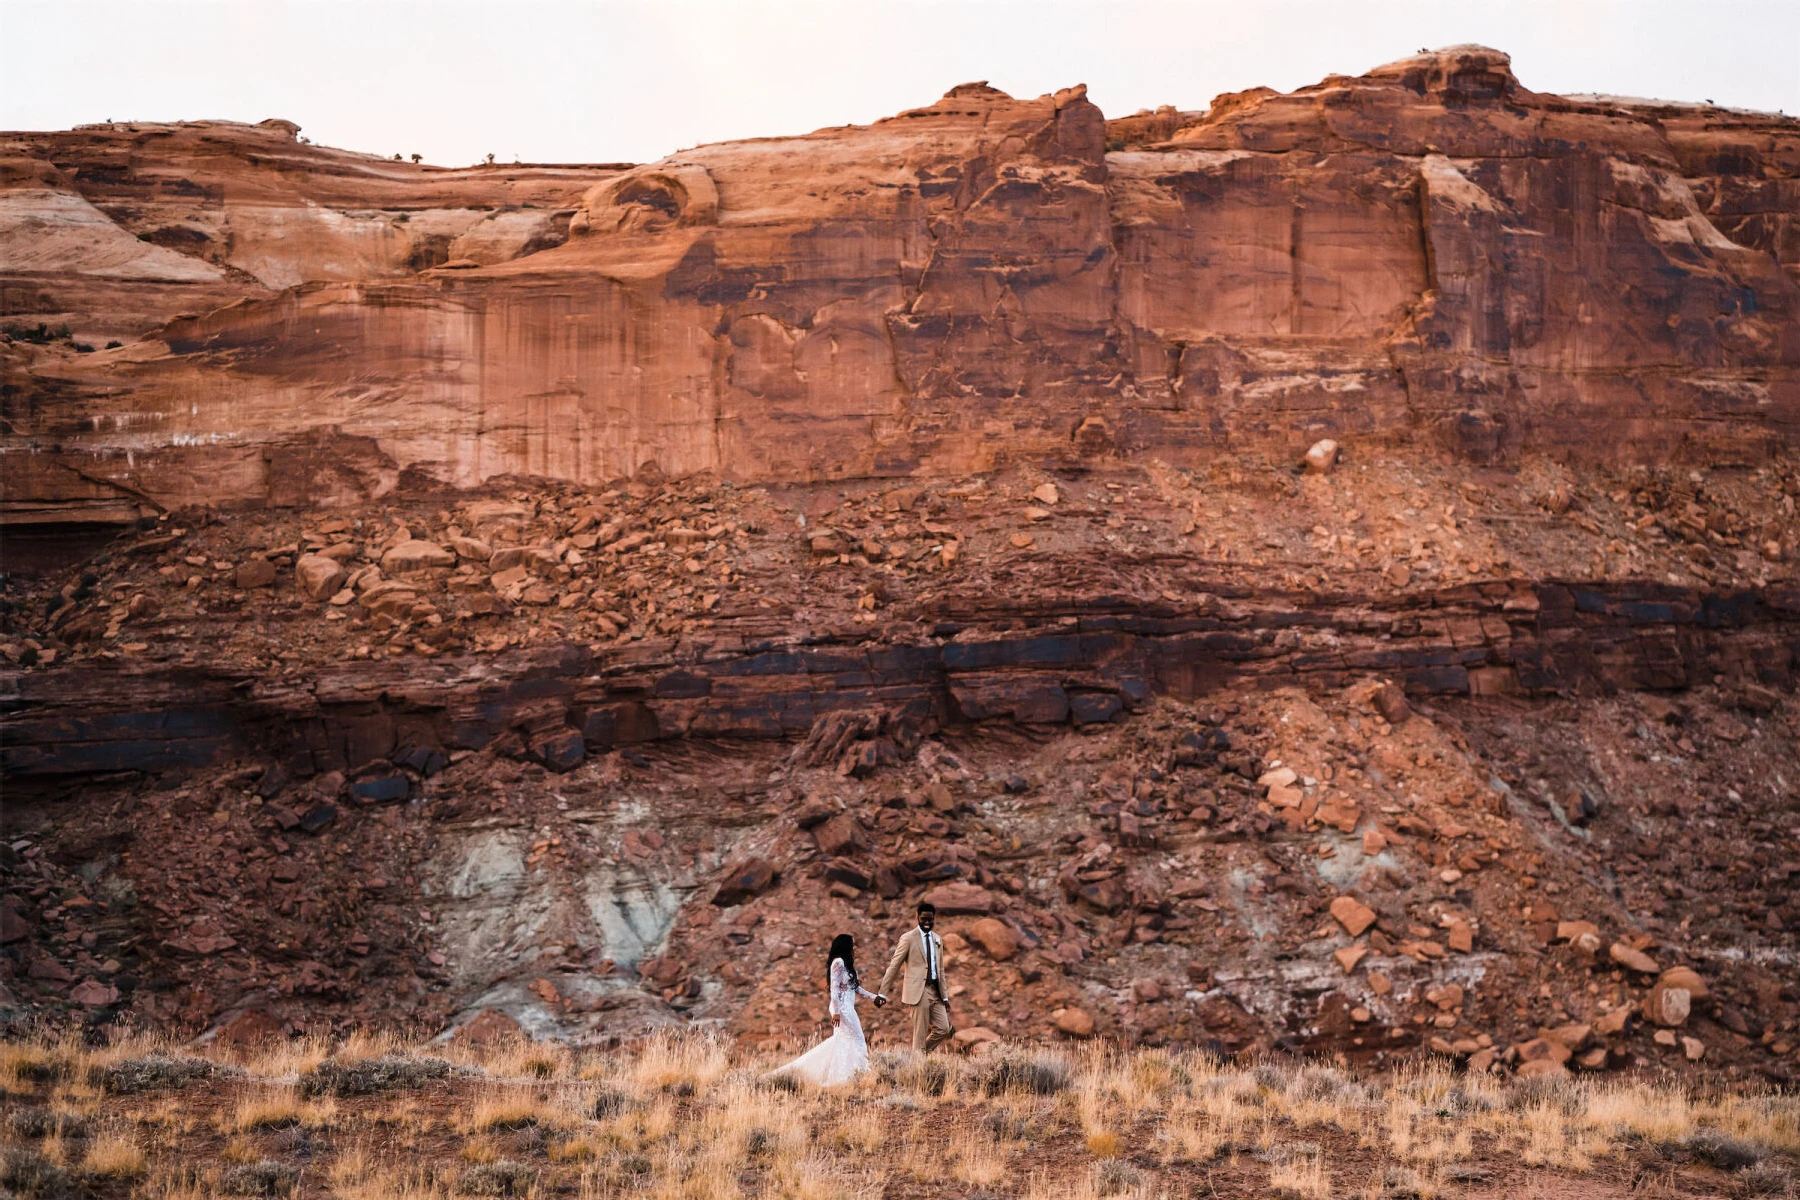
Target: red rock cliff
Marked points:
1427	251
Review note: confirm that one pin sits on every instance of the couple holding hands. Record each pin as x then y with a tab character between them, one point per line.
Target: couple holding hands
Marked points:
918	964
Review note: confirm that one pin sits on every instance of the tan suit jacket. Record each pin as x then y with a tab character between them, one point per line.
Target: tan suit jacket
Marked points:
909	956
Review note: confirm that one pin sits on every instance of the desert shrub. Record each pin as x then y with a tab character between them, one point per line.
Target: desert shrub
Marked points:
155	1072
930	1075
1766	1179
609	1102
1726	1153
502	1178
782	1081
265	1177
1404	1183
1005	1125
1114	1176
1558	1094
369	1076
760	1142
295	1139
1270	1076
1038	1074
1463	1101
36	1121
28	1175
1324	1085
1467	1173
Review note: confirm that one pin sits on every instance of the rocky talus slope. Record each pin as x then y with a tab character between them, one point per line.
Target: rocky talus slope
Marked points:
1314	575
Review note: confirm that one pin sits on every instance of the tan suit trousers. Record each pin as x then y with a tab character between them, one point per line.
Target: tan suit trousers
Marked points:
930	1023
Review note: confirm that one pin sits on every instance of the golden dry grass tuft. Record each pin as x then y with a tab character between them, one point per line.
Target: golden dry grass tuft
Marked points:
115	1154
1301	1179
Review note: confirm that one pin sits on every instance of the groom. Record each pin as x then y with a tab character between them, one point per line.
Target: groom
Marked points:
920	955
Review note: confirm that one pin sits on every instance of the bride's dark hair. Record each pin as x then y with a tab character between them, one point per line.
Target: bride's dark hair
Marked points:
842	946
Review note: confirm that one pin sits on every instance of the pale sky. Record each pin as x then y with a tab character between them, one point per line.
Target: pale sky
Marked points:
617	80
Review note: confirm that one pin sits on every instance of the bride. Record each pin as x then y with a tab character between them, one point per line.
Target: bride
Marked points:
844	1054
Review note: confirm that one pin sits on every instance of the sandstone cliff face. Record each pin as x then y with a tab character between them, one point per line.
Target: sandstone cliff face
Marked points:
1426	251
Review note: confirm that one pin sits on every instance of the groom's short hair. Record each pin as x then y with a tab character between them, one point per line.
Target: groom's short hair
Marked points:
926	906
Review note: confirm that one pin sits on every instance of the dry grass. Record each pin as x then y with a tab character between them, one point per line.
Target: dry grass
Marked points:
278	1108
1302	1178
512	1108
689	1118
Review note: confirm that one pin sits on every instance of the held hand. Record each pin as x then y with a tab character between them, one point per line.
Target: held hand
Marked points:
880	1001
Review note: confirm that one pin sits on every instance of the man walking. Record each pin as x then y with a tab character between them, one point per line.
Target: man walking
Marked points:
920	955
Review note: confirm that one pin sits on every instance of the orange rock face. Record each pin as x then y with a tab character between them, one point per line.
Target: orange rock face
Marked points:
1428	251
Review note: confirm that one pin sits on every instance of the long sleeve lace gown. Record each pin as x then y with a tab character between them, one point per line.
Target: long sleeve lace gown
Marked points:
845	1053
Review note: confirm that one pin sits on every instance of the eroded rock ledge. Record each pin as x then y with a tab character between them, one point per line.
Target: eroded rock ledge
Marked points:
1080	662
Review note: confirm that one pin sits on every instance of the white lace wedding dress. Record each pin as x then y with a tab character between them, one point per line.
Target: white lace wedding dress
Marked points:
845	1054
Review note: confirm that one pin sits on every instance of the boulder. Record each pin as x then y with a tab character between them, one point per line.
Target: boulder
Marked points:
248	1027
838	835
976	1040
49	969
744	880
1668	1006
382	786
1542	1049
561	750
257	573
995	937
1632	959
1281	796
1352	914
815	812
847	873
13	927
1322	456
1073	1022
1278	777
1107	895
960	899
91	993
1574	1035
472	549
489	1027
1391	703
416	555
319	577
532	558
1684	977
1611	1024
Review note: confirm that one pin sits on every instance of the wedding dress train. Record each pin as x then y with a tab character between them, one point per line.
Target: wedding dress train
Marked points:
845	1054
